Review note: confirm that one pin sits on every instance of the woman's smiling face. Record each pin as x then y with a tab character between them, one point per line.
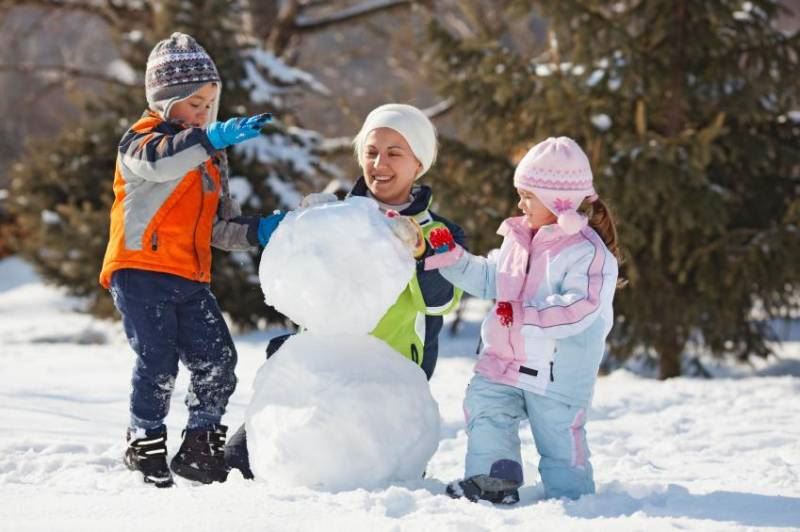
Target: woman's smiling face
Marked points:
389	165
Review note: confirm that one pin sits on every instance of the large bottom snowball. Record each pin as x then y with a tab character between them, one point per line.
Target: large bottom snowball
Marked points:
340	412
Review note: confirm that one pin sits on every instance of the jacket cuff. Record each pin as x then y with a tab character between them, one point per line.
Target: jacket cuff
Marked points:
443	260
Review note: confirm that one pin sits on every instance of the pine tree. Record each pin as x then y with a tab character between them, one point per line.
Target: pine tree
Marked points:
62	191
688	112
9	230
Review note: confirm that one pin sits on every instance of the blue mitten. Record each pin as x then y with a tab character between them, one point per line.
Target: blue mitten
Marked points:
267	226
236	130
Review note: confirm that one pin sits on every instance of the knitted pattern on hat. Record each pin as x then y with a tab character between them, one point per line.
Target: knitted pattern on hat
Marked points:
176	68
558	172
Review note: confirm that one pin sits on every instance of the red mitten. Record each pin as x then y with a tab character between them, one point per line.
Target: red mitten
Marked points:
504	313
441	240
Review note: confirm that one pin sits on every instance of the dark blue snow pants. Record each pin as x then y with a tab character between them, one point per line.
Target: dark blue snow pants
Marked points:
168	318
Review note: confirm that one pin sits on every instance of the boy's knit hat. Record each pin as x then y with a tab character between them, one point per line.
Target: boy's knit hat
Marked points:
176	68
416	128
558	172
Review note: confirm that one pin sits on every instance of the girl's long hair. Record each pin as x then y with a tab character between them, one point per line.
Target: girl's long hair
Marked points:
602	220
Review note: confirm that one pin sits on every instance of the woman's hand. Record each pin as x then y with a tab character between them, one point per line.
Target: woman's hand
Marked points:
445	250
408	231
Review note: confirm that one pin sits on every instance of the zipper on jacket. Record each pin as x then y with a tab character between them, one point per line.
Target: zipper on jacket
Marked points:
551	372
154	241
198	273
208	182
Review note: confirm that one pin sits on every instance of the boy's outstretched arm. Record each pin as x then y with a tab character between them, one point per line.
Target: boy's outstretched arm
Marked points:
244	232
152	152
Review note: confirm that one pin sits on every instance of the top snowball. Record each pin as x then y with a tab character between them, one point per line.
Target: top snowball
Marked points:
335	268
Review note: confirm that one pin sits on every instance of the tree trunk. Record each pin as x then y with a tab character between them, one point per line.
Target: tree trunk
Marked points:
669	357
260	17
675	117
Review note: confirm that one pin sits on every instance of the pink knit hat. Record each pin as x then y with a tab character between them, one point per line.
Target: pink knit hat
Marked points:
558	172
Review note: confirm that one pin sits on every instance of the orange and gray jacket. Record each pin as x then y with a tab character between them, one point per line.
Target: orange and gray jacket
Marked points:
171	203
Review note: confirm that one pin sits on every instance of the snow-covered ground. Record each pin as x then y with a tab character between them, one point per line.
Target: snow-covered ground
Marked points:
687	453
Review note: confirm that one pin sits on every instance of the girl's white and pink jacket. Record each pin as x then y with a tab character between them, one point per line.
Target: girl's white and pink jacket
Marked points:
546	333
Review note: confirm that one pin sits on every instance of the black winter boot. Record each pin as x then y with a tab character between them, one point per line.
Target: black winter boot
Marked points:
202	455
500	486
484	487
148	454
237	455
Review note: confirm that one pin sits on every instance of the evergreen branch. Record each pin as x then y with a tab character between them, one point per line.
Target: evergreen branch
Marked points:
65	72
765	47
745	237
488	22
609	23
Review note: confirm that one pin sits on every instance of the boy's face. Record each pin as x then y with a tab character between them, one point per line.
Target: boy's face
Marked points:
536	214
389	165
194	111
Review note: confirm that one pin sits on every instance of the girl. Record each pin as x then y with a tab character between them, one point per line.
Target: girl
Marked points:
554	280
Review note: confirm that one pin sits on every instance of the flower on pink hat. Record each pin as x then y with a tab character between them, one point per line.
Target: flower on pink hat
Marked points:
561	205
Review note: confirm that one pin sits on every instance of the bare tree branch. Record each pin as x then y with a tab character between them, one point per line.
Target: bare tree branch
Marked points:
66	71
115	13
439	109
290	22
283	27
303	23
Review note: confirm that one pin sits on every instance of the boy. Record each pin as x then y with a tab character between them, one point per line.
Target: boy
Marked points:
171	205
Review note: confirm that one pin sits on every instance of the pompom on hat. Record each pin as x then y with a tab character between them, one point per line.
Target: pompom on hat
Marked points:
176	68
558	172
416	128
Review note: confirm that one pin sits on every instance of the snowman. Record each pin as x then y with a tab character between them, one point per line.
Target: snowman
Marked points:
336	408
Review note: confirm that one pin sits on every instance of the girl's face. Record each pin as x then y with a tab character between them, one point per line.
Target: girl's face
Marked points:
194	111
389	165
536	214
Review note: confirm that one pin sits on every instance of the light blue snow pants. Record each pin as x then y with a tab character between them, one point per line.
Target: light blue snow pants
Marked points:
493	413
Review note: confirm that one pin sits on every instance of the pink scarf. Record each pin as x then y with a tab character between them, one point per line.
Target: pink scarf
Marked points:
512	266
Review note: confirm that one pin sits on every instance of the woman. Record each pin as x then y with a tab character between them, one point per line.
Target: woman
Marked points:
394	148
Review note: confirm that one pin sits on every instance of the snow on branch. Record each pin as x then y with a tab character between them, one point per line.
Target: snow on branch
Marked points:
332	145
439	109
286	192
268	78
292	154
